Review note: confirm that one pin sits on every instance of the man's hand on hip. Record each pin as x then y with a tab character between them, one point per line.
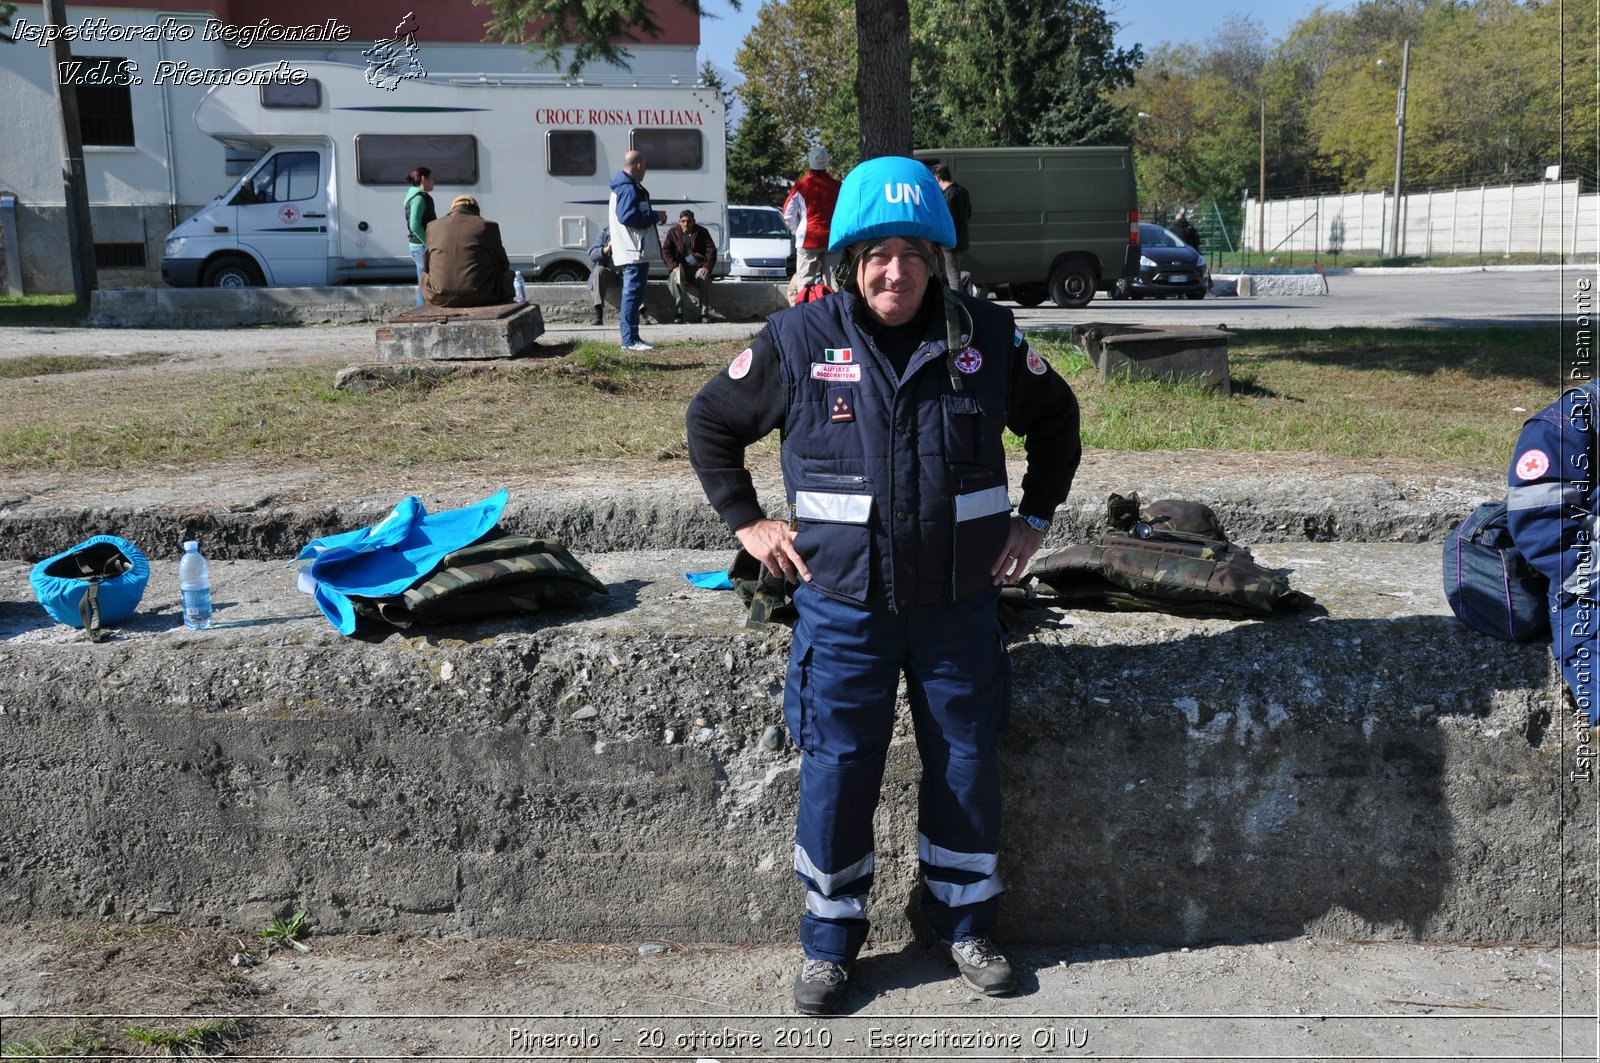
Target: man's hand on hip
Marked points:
1021	544
772	543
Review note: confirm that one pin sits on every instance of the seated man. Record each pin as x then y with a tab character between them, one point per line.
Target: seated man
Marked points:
465	263
603	275
690	253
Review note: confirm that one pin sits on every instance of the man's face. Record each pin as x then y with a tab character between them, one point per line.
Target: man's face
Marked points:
893	278
636	170
686	223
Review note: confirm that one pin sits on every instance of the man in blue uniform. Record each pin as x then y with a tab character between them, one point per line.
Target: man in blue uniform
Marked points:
892	396
1551	511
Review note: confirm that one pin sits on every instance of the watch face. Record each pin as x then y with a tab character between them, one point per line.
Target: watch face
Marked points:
1037	523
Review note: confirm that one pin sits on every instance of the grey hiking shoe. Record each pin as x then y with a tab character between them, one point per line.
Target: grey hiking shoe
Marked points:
820	987
983	967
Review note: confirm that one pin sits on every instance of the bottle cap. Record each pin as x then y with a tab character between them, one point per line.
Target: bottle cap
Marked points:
192	545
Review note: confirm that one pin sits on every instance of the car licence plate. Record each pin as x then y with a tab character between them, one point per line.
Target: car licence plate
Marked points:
1179	278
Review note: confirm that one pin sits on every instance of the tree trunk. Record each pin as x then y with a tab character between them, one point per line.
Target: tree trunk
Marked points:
883	77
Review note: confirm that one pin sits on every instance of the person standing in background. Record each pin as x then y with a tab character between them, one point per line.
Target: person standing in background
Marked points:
419	212
634	242
960	204
808	212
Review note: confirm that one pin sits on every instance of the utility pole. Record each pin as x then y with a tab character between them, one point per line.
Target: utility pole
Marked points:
1398	237
1261	203
80	234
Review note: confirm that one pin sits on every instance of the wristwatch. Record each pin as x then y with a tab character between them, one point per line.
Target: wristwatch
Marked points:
1038	524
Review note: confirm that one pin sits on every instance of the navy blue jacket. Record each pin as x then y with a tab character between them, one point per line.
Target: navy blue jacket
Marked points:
897	487
1551	509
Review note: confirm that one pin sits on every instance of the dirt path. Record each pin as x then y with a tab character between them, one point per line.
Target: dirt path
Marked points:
387	997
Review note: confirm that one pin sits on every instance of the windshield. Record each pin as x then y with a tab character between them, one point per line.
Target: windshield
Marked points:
757	223
1159	236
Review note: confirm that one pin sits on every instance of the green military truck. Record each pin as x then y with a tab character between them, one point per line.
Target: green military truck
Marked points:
1056	222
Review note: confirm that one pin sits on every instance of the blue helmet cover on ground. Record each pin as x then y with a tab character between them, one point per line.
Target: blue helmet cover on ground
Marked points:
61	592
391	555
890	196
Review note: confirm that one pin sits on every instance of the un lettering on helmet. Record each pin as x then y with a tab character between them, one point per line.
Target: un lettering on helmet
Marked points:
903	192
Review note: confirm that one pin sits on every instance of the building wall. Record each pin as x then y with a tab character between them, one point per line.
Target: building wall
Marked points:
138	193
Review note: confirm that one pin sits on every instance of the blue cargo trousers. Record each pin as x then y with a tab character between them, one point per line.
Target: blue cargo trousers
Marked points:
844	667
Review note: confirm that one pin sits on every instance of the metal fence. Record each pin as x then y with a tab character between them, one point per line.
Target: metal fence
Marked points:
1544	218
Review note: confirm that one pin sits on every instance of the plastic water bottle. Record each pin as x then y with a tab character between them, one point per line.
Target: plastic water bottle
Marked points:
519	286
194	581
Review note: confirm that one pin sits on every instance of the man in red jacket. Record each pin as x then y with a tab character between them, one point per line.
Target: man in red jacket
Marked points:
808	212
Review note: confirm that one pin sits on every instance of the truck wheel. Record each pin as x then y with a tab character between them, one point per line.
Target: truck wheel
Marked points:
232	271
1028	295
1072	285
565	273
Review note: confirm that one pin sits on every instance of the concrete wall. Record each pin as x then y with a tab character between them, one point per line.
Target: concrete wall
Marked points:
1367	769
1545	217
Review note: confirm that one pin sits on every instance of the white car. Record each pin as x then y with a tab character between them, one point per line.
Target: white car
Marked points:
759	247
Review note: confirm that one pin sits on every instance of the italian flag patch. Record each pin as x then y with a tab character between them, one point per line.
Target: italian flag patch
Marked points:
838	355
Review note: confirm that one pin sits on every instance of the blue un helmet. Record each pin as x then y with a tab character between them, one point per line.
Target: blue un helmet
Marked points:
890	196
99	581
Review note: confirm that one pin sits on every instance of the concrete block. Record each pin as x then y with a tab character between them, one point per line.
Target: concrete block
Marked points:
1272	283
437	333
1184	355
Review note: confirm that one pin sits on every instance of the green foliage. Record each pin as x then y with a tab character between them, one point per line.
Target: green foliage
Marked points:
283	932
1024	71
798	62
758	173
40	310
1489	100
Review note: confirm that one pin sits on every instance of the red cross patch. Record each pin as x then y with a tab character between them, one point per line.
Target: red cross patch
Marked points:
841	405
970	360
1532	464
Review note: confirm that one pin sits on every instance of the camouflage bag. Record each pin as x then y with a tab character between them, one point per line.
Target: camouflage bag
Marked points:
1172	556
500	573
766	596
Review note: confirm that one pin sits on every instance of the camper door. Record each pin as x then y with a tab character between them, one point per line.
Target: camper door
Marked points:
283	216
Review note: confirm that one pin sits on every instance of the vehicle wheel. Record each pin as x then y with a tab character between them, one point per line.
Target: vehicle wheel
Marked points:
1028	295
232	271
1121	290
1201	294
1072	285
565	273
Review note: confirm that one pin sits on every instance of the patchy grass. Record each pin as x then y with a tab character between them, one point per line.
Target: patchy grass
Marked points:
40	311
1447	395
80	1040
201	1038
58	364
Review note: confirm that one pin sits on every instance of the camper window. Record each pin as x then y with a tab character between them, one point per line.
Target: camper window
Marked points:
287	176
384	159
669	149
570	153
277	95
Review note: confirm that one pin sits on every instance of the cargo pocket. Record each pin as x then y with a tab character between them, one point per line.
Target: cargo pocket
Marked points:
971	436
834	539
797	690
979	542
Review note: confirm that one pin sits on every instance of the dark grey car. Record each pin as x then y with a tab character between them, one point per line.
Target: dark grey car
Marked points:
1167	266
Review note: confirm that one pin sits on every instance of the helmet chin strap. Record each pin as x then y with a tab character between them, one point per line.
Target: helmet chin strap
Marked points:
954	315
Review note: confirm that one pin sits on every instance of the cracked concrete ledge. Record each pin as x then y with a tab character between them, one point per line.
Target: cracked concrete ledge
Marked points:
1367	771
255	515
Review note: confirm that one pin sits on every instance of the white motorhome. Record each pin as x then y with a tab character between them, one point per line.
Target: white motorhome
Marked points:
323	204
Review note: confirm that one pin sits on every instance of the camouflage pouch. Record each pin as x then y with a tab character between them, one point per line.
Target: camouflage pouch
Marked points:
766	596
1171	556
499	573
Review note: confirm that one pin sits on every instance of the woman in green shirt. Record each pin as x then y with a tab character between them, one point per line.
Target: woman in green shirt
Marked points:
419	212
